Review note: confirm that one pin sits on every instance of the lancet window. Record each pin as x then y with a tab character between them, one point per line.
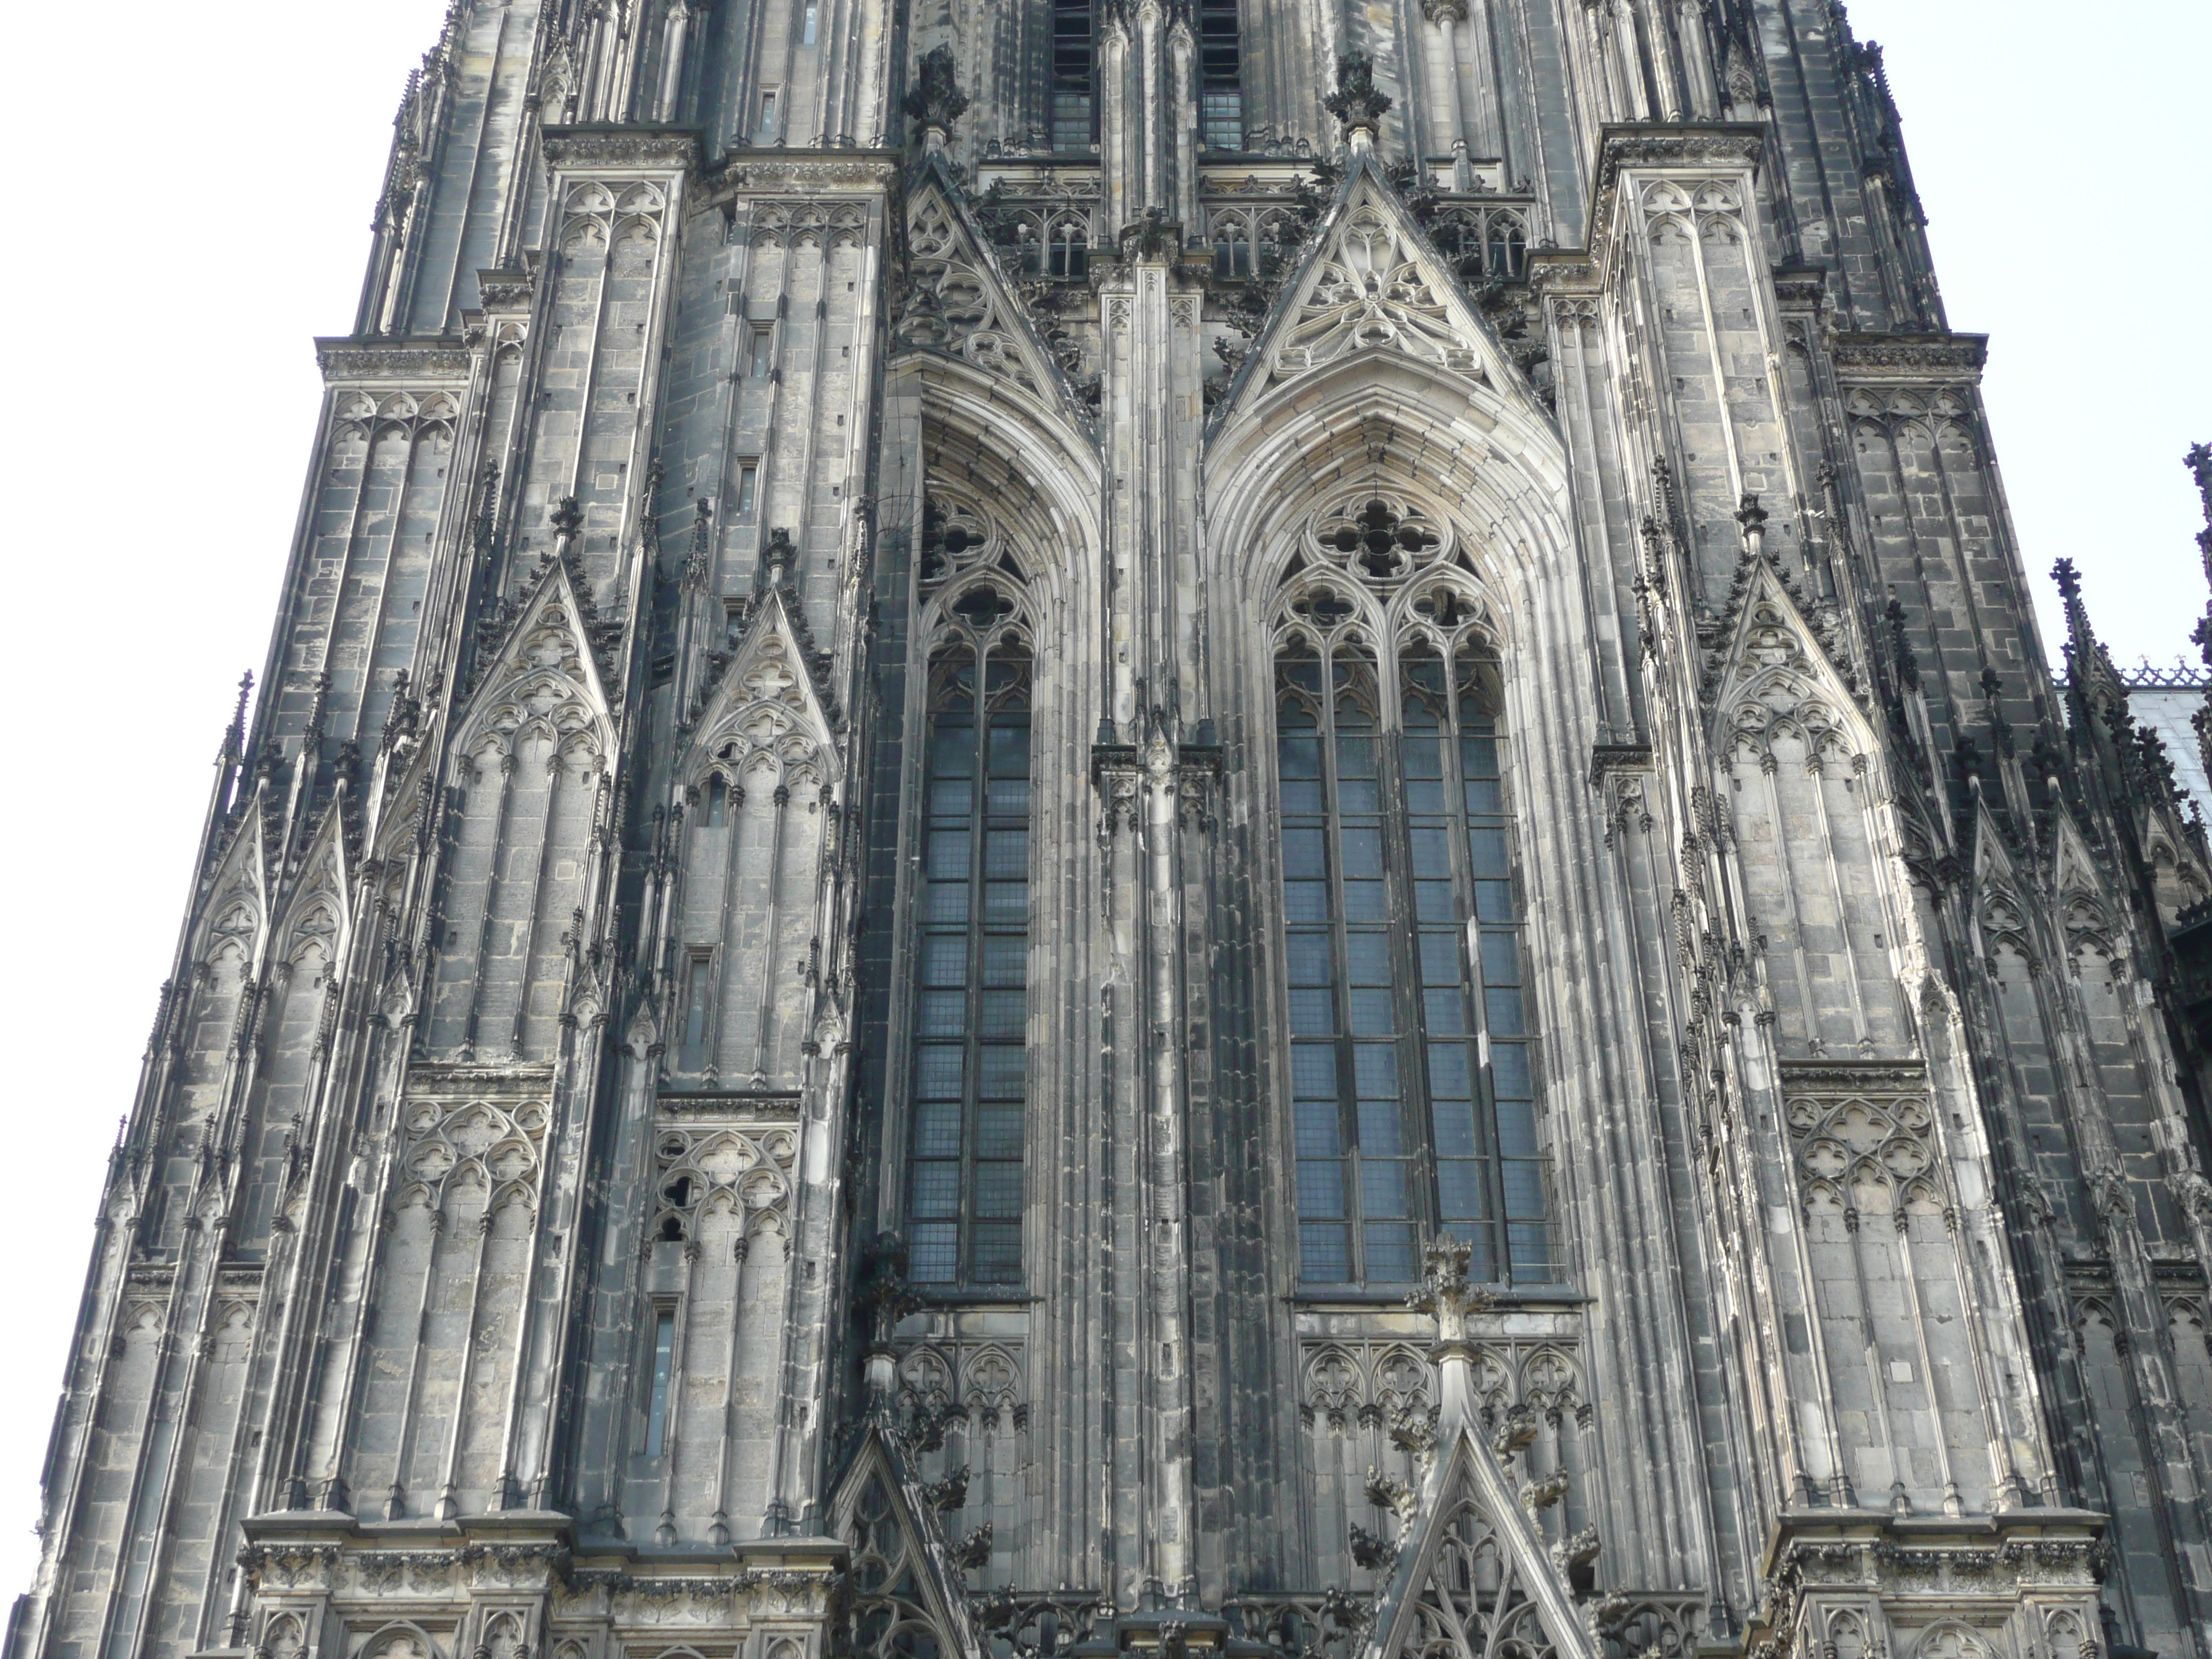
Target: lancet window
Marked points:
1220	69
964	1170
1412	1095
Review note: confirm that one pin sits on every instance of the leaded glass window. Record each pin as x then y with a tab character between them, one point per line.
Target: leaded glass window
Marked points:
964	1170
1413	1104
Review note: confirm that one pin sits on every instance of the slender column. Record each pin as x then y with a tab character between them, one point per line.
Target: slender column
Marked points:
548	823
1447	15
448	1495
474	990
679	1367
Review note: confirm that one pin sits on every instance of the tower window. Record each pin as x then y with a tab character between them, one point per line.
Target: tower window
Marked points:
664	1365
1413	1101
761	351
1220	70
748	481
808	19
698	974
964	1197
768	115
1074	70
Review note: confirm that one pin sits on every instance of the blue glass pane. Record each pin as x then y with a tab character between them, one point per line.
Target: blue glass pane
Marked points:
1502	1010
998	1254
1431	846
1304	853
1443	1012
944	1013
1301	800
1003	1064
1452	1122
1309	960
1313	1073
1362	851
1478	757
1484	797
1010	750
952	754
1317	1132
1321	1187
1368	955
951	798
936	1189
1005	960
1517	1128
937	1071
1355	757
1313	1011
998	1132
1358	798
1434	901
936	1128
947	901
1382	1188
1007	854
934	1253
1501	959
1006	903
1305	901
1007	798
998	1191
1493	901
1425	755
1440	959
1298	756
1324	1254
1372	1014
1462	1194
1523	1180
944	959
1363	902
1375	1070
1509	1072
1449	1078
1003	1014
1425	796
1486	846
1389	1254
948	855
1382	1133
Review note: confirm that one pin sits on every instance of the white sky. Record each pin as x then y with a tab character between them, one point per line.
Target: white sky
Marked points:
201	188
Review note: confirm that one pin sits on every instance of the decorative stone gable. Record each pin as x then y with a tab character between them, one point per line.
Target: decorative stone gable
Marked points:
957	301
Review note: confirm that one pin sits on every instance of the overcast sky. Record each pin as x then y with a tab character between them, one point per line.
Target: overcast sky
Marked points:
200	193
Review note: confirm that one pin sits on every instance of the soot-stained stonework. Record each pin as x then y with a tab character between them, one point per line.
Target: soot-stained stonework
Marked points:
1159	827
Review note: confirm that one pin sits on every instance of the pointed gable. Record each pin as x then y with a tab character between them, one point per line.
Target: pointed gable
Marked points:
1775	673
1371	282
768	700
317	909
958	302
542	675
905	1581
237	905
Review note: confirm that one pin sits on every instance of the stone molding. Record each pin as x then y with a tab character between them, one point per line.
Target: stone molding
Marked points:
1922	359
345	360
585	149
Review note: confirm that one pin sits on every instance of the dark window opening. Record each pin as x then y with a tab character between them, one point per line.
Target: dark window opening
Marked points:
965	1192
1413	1101
1074	69
1220	69
663	1363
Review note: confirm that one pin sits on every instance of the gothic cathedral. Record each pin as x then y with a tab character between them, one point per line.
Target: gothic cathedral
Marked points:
1158	829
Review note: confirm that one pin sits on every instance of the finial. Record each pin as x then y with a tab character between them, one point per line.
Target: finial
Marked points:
1446	1291
936	100
1355	102
776	561
1751	519
567	519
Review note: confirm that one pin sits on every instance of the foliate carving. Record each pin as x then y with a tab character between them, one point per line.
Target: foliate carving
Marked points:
1356	102
493	1141
1928	359
578	148
1374	291
344	362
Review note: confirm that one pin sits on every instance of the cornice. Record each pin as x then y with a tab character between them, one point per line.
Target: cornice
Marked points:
580	149
807	173
1723	144
348	360
1949	359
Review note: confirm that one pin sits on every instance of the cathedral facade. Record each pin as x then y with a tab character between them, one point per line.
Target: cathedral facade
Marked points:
1201	828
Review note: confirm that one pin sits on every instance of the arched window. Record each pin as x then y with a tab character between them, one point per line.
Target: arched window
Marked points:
964	1173
1413	1101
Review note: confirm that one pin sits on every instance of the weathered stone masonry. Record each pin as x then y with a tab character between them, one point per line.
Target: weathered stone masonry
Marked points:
1159	827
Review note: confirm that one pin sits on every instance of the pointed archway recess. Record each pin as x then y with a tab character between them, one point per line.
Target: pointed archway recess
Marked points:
902	1570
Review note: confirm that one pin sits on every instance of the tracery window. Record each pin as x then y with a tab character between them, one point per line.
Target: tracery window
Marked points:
965	1172
1412	1095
